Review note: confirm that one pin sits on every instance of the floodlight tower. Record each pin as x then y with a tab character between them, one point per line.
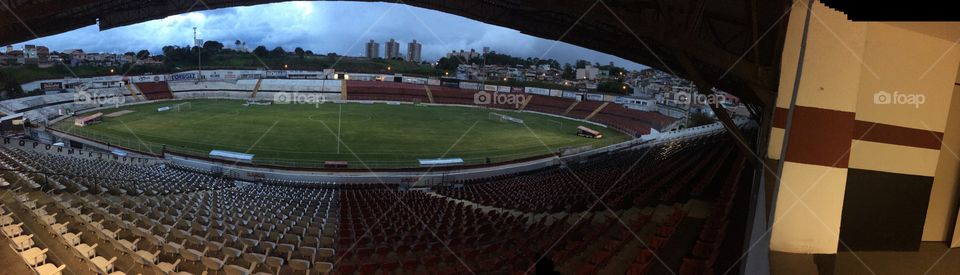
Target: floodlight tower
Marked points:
199	52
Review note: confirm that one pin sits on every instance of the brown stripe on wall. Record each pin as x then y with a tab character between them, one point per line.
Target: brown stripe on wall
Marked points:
820	137
780	117
892	134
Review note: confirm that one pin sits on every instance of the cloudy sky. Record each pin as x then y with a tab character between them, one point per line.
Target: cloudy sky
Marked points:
341	27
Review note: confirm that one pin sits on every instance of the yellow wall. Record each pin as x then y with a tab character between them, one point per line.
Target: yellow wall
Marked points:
846	64
943	196
907	62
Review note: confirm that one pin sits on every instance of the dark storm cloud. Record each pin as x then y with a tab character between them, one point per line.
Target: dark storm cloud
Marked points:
341	27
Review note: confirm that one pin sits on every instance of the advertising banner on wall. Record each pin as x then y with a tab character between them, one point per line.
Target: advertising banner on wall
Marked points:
594	97
277	74
537	91
251	75
469	85
147	78
212	75
51	86
503	89
450	82
414	80
191	76
490	88
230	75
433	82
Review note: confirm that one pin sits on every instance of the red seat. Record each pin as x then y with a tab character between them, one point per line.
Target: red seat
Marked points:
637	268
368	269
693	267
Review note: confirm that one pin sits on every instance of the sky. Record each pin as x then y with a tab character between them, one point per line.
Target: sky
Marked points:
323	27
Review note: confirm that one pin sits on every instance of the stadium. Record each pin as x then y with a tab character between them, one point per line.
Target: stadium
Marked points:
821	148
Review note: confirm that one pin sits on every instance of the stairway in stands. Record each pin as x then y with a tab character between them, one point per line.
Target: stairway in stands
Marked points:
134	93
574	105
429	94
604	105
256	88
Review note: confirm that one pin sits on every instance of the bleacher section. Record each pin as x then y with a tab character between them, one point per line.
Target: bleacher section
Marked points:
389	91
155	90
549	104
633	122
670	207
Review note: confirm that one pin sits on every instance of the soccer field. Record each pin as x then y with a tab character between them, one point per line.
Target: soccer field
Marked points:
377	135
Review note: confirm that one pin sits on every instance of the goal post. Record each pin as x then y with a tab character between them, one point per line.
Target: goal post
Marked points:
184	105
504	118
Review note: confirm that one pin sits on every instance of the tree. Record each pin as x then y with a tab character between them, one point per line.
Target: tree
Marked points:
568	72
698	119
261	51
237	44
212	46
143	54
582	64
612	87
309	53
278	52
299	51
448	64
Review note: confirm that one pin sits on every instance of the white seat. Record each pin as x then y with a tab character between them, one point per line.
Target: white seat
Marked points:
34	256
111	235
71	239
22	242
86	251
145	257
324	267
102	265
167	268
6	219
49	269
49	219
59	228
13	230
40	212
236	270
128	245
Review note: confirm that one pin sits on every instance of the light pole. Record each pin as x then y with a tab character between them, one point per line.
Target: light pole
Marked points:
199	52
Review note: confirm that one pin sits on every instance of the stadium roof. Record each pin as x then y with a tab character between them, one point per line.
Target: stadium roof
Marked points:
735	44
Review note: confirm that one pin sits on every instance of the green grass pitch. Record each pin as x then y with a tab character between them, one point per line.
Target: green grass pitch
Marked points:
379	135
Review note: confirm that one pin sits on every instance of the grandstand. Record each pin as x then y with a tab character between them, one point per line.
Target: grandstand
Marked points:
630	121
853	169
130	216
155	90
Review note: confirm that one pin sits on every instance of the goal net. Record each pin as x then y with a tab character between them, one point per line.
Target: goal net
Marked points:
504	118
182	106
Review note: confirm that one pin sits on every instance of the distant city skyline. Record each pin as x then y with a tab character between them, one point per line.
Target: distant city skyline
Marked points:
321	27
